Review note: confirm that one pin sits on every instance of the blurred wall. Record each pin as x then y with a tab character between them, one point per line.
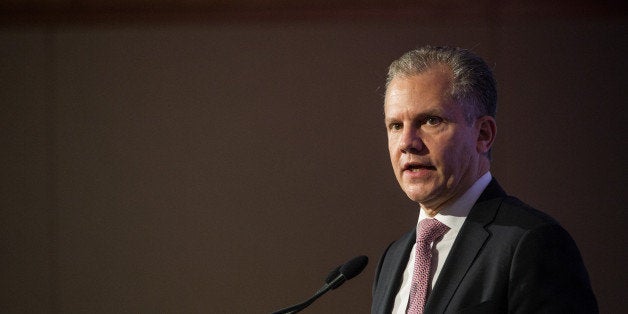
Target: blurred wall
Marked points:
226	164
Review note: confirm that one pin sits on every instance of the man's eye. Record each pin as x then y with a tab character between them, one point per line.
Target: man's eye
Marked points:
433	121
396	126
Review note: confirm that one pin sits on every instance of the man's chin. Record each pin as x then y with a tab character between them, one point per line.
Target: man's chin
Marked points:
421	198
422	195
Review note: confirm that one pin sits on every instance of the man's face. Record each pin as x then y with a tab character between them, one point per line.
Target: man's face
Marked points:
433	149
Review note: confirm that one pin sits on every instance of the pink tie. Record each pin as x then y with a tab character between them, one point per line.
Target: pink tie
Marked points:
429	230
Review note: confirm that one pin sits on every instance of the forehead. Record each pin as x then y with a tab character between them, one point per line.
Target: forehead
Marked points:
429	90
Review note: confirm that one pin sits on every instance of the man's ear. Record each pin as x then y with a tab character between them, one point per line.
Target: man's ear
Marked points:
487	129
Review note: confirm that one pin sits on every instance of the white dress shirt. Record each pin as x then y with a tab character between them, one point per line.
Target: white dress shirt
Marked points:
453	216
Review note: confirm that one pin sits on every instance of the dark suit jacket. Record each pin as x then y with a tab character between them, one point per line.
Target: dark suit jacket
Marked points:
507	258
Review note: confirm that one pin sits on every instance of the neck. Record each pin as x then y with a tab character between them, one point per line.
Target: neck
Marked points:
432	210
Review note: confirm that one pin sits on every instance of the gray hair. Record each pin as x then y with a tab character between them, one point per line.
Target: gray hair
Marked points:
473	83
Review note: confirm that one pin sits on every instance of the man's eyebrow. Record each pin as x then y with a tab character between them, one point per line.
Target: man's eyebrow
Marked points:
432	112
421	115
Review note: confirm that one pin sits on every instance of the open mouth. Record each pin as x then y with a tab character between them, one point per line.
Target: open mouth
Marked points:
418	167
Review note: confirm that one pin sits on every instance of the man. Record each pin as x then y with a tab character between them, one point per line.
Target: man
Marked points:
478	249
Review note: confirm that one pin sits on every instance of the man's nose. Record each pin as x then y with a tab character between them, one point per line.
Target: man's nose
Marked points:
411	141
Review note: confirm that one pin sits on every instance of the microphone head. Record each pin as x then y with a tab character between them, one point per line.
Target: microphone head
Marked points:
332	275
353	267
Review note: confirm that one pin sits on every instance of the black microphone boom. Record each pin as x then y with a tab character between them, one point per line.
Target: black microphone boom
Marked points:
334	280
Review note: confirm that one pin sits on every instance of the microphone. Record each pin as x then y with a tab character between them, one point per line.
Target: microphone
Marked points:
335	279
332	275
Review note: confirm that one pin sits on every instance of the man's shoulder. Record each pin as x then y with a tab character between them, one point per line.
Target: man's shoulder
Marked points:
497	206
514	211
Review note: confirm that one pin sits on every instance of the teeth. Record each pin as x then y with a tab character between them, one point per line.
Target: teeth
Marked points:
415	169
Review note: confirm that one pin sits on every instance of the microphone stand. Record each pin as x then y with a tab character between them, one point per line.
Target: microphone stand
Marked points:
336	278
328	286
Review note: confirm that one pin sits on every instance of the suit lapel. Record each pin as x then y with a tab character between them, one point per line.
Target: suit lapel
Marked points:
467	246
392	271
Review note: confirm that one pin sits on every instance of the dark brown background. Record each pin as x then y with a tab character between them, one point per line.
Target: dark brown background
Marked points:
223	156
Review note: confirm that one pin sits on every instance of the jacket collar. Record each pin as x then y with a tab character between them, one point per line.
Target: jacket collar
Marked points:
470	240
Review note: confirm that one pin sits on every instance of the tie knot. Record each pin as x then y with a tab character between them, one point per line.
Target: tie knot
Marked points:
430	229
